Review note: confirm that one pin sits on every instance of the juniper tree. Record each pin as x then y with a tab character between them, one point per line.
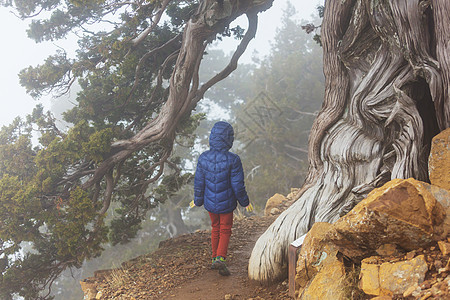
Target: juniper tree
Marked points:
137	65
387	85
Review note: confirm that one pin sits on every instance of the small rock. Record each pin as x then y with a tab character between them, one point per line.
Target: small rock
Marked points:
99	295
275	201
410	255
438	264
387	250
444	247
275	211
410	290
228	297
427	295
439	160
416	292
425	285
398	277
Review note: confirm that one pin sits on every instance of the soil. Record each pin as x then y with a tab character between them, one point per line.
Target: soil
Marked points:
180	269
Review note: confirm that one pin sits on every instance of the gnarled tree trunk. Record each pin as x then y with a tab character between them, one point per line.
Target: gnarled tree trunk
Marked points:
387	70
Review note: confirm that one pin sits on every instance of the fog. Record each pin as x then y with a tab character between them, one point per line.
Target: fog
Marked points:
19	52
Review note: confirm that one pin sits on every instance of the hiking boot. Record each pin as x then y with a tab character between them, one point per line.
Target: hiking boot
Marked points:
215	263
221	265
224	270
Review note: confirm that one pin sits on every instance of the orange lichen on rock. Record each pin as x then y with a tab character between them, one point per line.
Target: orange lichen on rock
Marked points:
439	160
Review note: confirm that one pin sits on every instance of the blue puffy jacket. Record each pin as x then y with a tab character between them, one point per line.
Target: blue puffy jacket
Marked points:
219	178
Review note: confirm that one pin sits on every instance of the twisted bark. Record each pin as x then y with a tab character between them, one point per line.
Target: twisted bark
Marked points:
387	93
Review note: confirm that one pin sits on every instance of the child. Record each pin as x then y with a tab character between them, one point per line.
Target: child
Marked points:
219	185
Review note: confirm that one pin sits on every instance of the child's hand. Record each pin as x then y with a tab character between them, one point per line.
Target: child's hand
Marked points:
191	204
249	207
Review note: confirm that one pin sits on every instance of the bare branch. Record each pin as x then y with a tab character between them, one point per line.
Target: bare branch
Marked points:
23	17
299	160
232	65
195	77
96	192
296	148
314	114
66	87
137	40
177	38
156	88
108	193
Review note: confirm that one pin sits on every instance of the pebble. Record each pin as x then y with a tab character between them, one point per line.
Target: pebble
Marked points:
99	295
426	296
410	255
410	290
438	264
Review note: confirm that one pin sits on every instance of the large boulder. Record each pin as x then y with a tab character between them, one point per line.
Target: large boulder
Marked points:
402	212
439	161
328	283
89	289
273	204
320	272
443	197
391	278
401	216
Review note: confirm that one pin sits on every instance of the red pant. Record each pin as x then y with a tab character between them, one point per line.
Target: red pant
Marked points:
220	233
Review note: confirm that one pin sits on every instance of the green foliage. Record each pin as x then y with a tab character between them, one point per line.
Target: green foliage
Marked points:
123	229
40	229
57	184
170	185
50	219
99	143
237	32
180	11
46	77
16	212
72	227
320	10
312	28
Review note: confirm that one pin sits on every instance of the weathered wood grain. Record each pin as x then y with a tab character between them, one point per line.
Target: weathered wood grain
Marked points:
386	66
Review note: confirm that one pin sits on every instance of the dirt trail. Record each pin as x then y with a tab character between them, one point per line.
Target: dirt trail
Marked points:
210	285
180	269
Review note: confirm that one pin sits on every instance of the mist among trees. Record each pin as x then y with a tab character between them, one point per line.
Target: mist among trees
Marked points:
139	121
103	183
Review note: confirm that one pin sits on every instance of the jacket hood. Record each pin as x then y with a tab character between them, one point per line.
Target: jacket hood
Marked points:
222	136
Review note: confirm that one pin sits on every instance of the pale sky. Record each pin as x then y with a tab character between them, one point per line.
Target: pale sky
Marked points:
18	52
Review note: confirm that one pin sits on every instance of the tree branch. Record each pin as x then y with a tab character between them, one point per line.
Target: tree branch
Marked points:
232	65
108	193
142	61
137	40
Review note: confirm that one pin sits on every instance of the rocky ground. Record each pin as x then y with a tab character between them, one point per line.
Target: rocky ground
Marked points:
180	269
437	280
